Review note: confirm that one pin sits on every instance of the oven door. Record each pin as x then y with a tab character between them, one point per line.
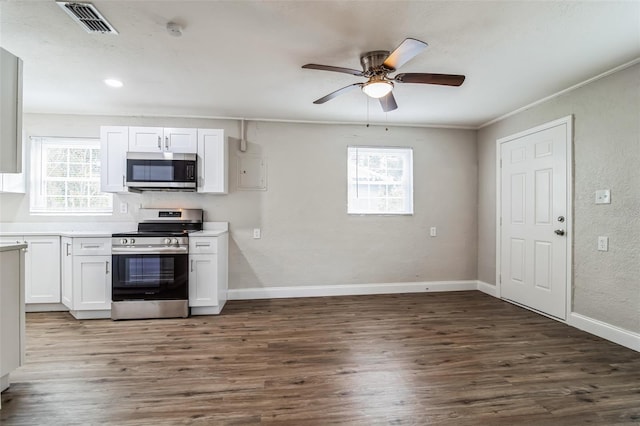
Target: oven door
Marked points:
150	277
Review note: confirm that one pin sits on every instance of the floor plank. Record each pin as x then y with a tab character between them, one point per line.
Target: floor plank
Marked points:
459	358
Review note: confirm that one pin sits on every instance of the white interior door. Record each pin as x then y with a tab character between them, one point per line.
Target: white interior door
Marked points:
534	217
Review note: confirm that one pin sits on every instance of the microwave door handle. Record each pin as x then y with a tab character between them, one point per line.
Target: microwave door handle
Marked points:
159	143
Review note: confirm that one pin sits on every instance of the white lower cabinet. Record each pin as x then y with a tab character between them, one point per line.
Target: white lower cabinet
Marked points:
92	283
86	271
42	270
66	271
12	319
203	280
208	274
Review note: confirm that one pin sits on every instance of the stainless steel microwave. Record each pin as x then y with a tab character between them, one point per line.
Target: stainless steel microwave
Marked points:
157	171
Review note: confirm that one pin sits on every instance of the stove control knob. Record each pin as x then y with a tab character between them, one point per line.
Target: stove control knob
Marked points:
175	241
132	241
123	241
167	240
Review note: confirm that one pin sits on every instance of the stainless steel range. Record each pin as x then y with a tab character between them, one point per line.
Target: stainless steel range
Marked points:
151	266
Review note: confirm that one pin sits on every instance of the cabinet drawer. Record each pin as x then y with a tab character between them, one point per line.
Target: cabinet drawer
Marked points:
203	245
91	246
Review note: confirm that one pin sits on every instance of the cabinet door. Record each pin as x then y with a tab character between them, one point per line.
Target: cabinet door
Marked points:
213	163
203	281
180	140
66	264
11	312
10	112
145	139
114	142
42	270
92	283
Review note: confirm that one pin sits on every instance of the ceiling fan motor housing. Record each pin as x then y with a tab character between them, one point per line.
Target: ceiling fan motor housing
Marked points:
372	63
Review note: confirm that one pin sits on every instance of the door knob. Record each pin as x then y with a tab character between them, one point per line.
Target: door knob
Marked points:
559	231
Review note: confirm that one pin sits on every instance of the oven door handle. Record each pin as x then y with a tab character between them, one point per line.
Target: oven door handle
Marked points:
149	250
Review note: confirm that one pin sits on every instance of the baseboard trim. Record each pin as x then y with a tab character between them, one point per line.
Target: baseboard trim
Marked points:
45	307
83	315
350	289
487	288
607	331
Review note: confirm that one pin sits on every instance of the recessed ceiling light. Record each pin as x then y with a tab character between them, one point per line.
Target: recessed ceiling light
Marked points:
112	82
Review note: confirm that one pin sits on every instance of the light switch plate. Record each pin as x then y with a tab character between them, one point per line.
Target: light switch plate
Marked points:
603	196
603	243
433	231
124	208
256	233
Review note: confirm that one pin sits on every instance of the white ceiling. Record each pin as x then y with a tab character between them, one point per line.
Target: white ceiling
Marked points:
243	58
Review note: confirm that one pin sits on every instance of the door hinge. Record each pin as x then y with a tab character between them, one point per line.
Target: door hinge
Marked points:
500	278
500	221
501	163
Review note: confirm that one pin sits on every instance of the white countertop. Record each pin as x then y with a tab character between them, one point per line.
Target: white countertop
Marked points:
211	229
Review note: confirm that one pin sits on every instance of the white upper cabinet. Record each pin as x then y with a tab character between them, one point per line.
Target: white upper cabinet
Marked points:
15	182
114	141
10	113
213	163
159	139
209	145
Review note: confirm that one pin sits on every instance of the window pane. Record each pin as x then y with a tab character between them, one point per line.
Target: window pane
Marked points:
78	202
55	188
78	170
79	155
56	202
67	176
379	180
77	188
56	169
56	154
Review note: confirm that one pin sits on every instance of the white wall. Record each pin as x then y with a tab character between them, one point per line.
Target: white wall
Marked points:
606	285
307	237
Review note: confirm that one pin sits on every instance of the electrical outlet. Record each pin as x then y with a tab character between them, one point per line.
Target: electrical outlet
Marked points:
256	233
124	208
433	232
603	243
603	196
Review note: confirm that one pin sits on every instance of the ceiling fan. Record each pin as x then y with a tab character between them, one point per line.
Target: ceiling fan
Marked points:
378	64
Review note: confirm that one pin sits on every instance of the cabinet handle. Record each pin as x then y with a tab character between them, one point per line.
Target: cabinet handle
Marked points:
122	180
191	265
166	142
68	245
106	267
159	143
91	246
203	244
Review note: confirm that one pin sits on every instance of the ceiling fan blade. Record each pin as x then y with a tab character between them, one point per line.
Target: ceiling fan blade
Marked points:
388	102
337	93
409	48
426	78
335	69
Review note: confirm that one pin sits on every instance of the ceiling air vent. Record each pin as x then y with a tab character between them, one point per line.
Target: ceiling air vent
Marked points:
87	16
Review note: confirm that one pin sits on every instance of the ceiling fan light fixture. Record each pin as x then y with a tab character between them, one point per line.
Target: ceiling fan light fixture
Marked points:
377	88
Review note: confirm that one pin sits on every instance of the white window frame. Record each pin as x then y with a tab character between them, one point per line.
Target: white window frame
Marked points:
37	203
358	187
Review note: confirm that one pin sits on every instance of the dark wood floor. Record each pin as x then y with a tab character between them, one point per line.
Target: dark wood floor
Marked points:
434	358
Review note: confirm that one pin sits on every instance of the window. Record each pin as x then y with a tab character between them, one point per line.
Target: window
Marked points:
380	180
65	177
